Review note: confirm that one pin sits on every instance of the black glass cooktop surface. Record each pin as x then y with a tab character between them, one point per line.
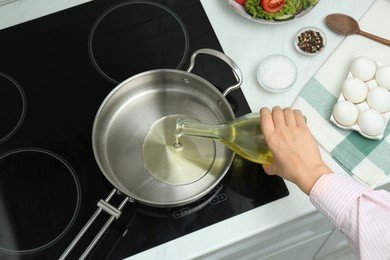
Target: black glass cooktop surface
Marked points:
55	72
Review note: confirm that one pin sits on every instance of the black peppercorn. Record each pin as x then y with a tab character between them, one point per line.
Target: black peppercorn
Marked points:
310	41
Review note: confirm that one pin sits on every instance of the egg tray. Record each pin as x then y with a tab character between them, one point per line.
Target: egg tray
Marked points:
361	107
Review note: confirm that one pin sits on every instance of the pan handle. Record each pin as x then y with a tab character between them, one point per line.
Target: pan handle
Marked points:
108	208
236	70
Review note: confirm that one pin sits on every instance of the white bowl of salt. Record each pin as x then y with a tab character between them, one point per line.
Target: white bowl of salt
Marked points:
277	73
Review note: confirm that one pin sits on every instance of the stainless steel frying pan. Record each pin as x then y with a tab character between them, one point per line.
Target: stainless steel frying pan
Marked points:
133	139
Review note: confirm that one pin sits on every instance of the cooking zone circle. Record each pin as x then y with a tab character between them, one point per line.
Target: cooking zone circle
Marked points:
176	166
13	106
39	194
137	36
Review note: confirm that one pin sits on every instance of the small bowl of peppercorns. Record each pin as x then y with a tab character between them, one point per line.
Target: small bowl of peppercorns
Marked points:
310	40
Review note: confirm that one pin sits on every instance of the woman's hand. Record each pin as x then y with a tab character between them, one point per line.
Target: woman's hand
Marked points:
295	151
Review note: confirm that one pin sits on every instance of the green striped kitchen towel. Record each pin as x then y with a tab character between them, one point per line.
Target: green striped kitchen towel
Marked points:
365	159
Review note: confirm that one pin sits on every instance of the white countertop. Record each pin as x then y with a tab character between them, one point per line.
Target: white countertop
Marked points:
246	43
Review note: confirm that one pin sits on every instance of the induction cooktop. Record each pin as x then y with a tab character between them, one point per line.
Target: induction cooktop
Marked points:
55	71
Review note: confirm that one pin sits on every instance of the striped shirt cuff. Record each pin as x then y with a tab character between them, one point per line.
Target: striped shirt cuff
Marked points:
333	193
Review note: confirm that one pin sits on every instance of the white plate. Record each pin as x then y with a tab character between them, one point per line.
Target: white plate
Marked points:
241	10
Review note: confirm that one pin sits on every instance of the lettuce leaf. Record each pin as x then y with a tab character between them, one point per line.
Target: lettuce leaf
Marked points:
253	8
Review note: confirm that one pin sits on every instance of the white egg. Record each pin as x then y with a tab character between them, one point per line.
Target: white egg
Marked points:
378	98
345	113
354	90
382	76
371	122
363	68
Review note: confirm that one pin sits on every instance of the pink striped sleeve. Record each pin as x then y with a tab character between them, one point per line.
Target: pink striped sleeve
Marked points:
360	213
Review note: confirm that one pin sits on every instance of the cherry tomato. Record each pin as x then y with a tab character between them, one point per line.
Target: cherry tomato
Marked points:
272	6
241	2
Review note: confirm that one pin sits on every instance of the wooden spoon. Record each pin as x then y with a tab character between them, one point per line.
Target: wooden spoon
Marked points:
346	25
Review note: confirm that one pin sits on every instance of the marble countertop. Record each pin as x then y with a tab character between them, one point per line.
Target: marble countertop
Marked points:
261	40
246	43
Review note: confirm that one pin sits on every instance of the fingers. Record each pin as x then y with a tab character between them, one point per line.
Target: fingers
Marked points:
269	169
282	117
300	119
289	117
266	121
264	111
278	117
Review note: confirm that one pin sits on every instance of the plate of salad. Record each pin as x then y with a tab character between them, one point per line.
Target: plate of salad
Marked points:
272	11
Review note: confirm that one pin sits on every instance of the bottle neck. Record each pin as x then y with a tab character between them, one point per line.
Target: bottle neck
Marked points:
188	128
